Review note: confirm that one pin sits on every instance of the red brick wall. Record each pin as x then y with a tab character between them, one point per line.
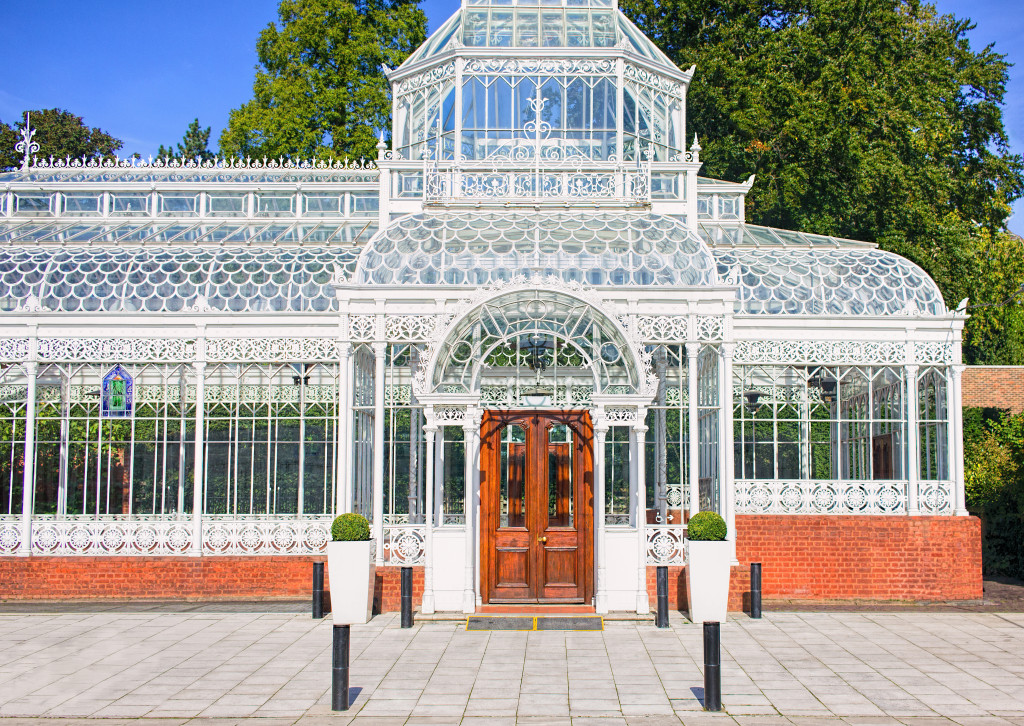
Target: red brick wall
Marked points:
839	558
994	387
181	578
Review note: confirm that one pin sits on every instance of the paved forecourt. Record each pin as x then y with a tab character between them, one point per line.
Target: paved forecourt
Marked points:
860	668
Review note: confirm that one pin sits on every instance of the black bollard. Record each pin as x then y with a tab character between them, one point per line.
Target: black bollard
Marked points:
755	589
712	667
406	597
662	621
318	590
339	669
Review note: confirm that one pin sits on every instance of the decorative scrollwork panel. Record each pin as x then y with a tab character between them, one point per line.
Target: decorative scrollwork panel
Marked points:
124	350
404	545
760	496
819	351
666	545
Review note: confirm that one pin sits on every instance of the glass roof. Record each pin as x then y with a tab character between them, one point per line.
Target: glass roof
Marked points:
230	279
502	26
227	232
828	282
752	235
595	248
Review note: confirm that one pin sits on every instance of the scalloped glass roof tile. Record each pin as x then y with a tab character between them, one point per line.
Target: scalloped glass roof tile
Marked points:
594	248
160	279
793	281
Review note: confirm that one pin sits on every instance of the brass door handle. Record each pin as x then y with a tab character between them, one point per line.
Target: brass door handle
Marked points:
542	539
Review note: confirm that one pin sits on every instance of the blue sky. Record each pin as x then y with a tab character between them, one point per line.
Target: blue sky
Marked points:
143	70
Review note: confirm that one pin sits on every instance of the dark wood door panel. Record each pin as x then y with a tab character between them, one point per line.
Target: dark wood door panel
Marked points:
536	503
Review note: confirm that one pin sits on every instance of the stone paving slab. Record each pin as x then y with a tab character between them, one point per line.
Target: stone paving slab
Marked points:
202	668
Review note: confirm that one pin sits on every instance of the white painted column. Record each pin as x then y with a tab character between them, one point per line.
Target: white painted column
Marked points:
471	435
956	423
28	479
427	607
913	452
378	449
643	605
348	443
600	545
199	472
726	468
343	485
692	352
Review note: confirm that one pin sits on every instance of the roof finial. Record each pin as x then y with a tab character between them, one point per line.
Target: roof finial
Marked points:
27	146
696	144
381	146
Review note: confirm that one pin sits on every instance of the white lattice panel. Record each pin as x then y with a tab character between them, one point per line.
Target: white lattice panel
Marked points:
111	537
272	350
124	350
267	536
404	544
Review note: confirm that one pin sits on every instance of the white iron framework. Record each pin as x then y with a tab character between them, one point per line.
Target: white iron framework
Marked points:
304	339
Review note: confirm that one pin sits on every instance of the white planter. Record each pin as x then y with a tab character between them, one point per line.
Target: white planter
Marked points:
351	572
707	580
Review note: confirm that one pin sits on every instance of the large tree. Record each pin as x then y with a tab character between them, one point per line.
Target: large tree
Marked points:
871	119
193	146
60	134
319	88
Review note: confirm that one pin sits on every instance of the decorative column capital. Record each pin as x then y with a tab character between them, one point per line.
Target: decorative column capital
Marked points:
379	348
692	350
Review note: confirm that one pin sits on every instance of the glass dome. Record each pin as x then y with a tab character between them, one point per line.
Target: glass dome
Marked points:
783	281
476	248
172	279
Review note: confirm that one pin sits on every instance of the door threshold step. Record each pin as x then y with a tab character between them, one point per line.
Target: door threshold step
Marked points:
461	617
534	622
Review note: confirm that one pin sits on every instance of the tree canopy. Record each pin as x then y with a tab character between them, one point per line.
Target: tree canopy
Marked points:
319	88
194	145
869	119
60	134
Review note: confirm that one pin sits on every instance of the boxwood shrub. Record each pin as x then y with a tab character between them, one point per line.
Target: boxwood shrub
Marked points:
706	526
350	528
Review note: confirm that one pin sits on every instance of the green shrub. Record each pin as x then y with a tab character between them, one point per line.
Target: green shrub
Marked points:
350	528
706	527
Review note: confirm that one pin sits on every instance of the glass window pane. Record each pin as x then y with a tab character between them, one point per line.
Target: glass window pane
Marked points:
129	205
513	477
560	476
227	205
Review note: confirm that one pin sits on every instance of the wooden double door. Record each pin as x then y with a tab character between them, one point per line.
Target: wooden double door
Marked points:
536	504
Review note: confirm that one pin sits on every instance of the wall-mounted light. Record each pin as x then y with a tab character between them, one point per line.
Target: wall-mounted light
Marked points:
536	348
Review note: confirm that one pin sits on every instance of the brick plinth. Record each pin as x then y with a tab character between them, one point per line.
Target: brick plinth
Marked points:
846	558
181	578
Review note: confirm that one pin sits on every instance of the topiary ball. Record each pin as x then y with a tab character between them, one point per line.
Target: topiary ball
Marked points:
706	527
350	528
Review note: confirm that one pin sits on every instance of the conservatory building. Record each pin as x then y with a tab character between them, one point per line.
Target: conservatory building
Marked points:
527	342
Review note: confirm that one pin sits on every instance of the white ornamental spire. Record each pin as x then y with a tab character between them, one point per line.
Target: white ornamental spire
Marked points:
27	146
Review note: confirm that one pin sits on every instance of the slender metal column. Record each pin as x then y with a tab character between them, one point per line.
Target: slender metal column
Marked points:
199	477
692	352
471	435
727	465
378	449
956	417
348	442
600	545
343	482
643	605
913	453
427	606
28	479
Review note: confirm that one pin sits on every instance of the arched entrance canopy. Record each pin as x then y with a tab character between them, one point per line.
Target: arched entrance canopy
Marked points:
534	328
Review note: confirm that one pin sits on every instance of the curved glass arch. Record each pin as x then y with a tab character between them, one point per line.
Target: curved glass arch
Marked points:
477	248
784	281
154	279
504	334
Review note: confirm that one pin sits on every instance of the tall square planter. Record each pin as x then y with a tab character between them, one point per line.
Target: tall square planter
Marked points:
352	572
708	565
